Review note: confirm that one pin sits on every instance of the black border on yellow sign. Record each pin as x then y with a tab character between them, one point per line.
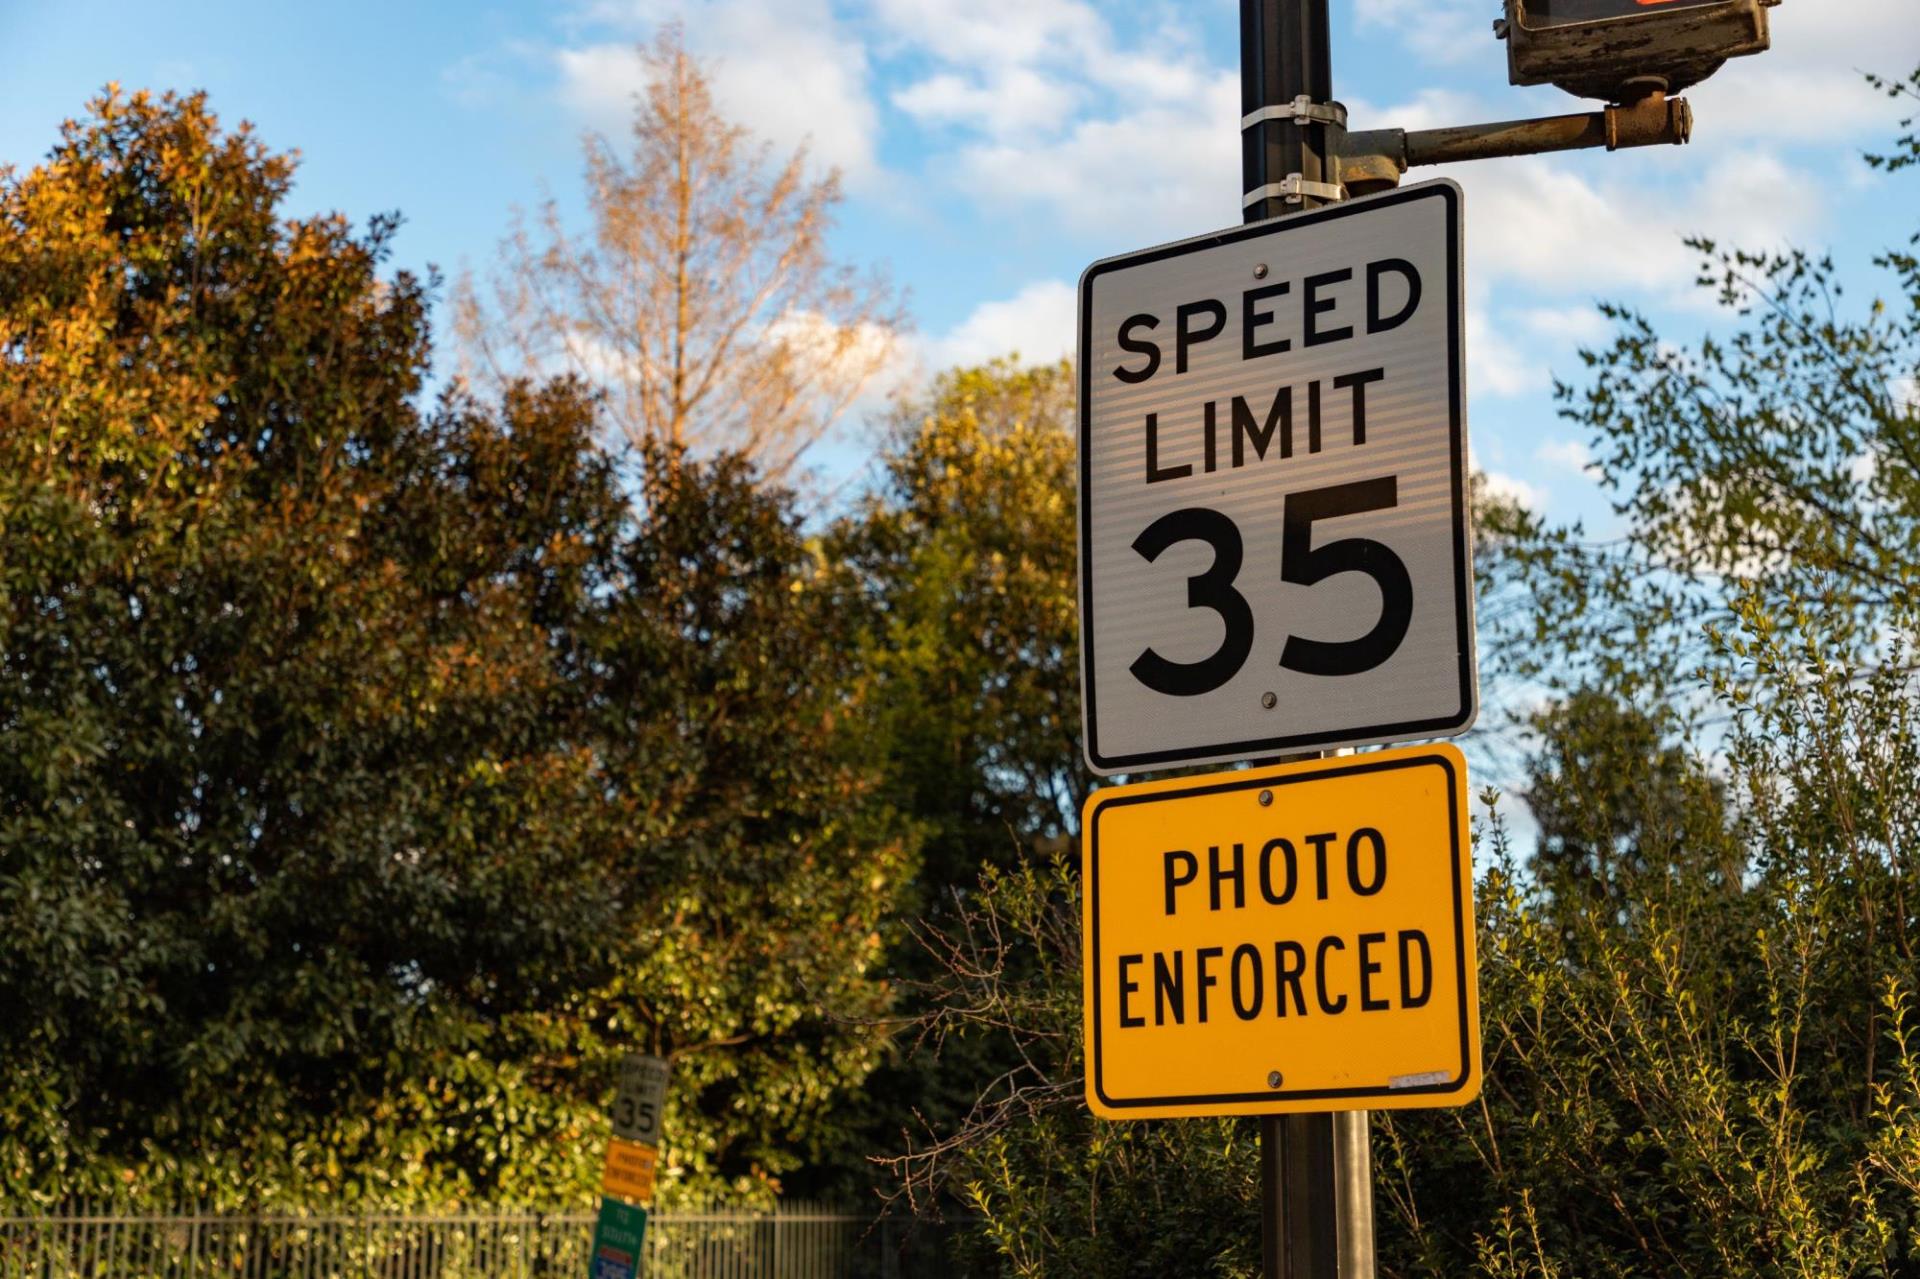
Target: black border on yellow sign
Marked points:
1442	758
1450	725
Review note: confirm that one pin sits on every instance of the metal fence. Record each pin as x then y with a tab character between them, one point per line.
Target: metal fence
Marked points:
795	1241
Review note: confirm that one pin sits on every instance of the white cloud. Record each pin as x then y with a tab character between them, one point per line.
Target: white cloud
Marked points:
1611	225
482	79
1428	109
1160	172
1152	76
1135	139
1756	199
1019	98
1443	31
1593	226
599	82
1006	66
1579	325
993	32
1541	223
1809	86
1487	463
1864	469
854	352
1045	110
1038	323
1568	455
1536	221
786	69
1025	65
1496	365
1514	489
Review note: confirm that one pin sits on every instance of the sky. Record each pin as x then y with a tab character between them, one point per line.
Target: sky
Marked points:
991	149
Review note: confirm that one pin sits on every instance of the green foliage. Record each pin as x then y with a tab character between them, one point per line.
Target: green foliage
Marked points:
967	560
963	566
1699	1004
735	728
1784	455
1056	1190
1614	799
1703	1074
1706	1068
371	776
1906	150
282	790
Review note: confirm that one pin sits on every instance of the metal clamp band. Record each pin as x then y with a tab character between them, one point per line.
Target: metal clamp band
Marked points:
1294	189
1303	111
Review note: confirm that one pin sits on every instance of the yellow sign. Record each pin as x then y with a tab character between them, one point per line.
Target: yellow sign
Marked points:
1282	940
629	1173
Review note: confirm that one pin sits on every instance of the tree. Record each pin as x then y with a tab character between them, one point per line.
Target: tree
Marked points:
737	734
966	560
1711	1067
1785	456
963	563
1708	1065
285	792
1053	1189
1701	1072
1614	798
703	302
372	774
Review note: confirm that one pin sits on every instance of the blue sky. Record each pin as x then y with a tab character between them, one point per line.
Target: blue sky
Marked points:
993	148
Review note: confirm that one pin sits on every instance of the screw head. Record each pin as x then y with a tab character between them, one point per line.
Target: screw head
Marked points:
1266	799
1269	700
1274	1079
1260	271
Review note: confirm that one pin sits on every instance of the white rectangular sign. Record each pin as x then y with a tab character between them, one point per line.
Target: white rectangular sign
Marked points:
1274	531
640	1099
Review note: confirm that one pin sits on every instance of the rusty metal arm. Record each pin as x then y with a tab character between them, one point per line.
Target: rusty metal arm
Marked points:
1373	160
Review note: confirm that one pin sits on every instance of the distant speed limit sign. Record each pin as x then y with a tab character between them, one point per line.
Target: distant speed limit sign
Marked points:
1274	534
640	1099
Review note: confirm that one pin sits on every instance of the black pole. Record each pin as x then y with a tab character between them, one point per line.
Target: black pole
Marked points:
1273	1248
1285	54
1299	1208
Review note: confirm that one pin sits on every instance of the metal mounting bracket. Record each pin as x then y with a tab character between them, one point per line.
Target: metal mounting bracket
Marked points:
1294	189
1303	111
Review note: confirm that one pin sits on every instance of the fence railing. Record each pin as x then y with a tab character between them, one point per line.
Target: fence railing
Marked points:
794	1241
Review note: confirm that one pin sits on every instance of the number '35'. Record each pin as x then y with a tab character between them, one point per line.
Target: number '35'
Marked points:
1300	563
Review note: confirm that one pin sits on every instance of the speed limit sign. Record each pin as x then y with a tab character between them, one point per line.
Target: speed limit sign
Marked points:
640	1098
1274	528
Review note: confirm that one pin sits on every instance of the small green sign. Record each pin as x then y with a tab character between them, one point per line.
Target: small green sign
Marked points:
617	1237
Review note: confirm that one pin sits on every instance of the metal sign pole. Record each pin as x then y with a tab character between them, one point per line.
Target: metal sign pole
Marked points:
1286	96
1316	1183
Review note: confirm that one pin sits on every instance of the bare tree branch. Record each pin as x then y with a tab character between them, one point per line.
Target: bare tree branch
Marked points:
704	302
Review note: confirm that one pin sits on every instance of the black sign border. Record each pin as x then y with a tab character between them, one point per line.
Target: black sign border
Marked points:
1256	781
1444	726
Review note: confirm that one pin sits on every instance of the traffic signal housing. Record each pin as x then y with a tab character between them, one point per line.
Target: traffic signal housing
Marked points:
1621	50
